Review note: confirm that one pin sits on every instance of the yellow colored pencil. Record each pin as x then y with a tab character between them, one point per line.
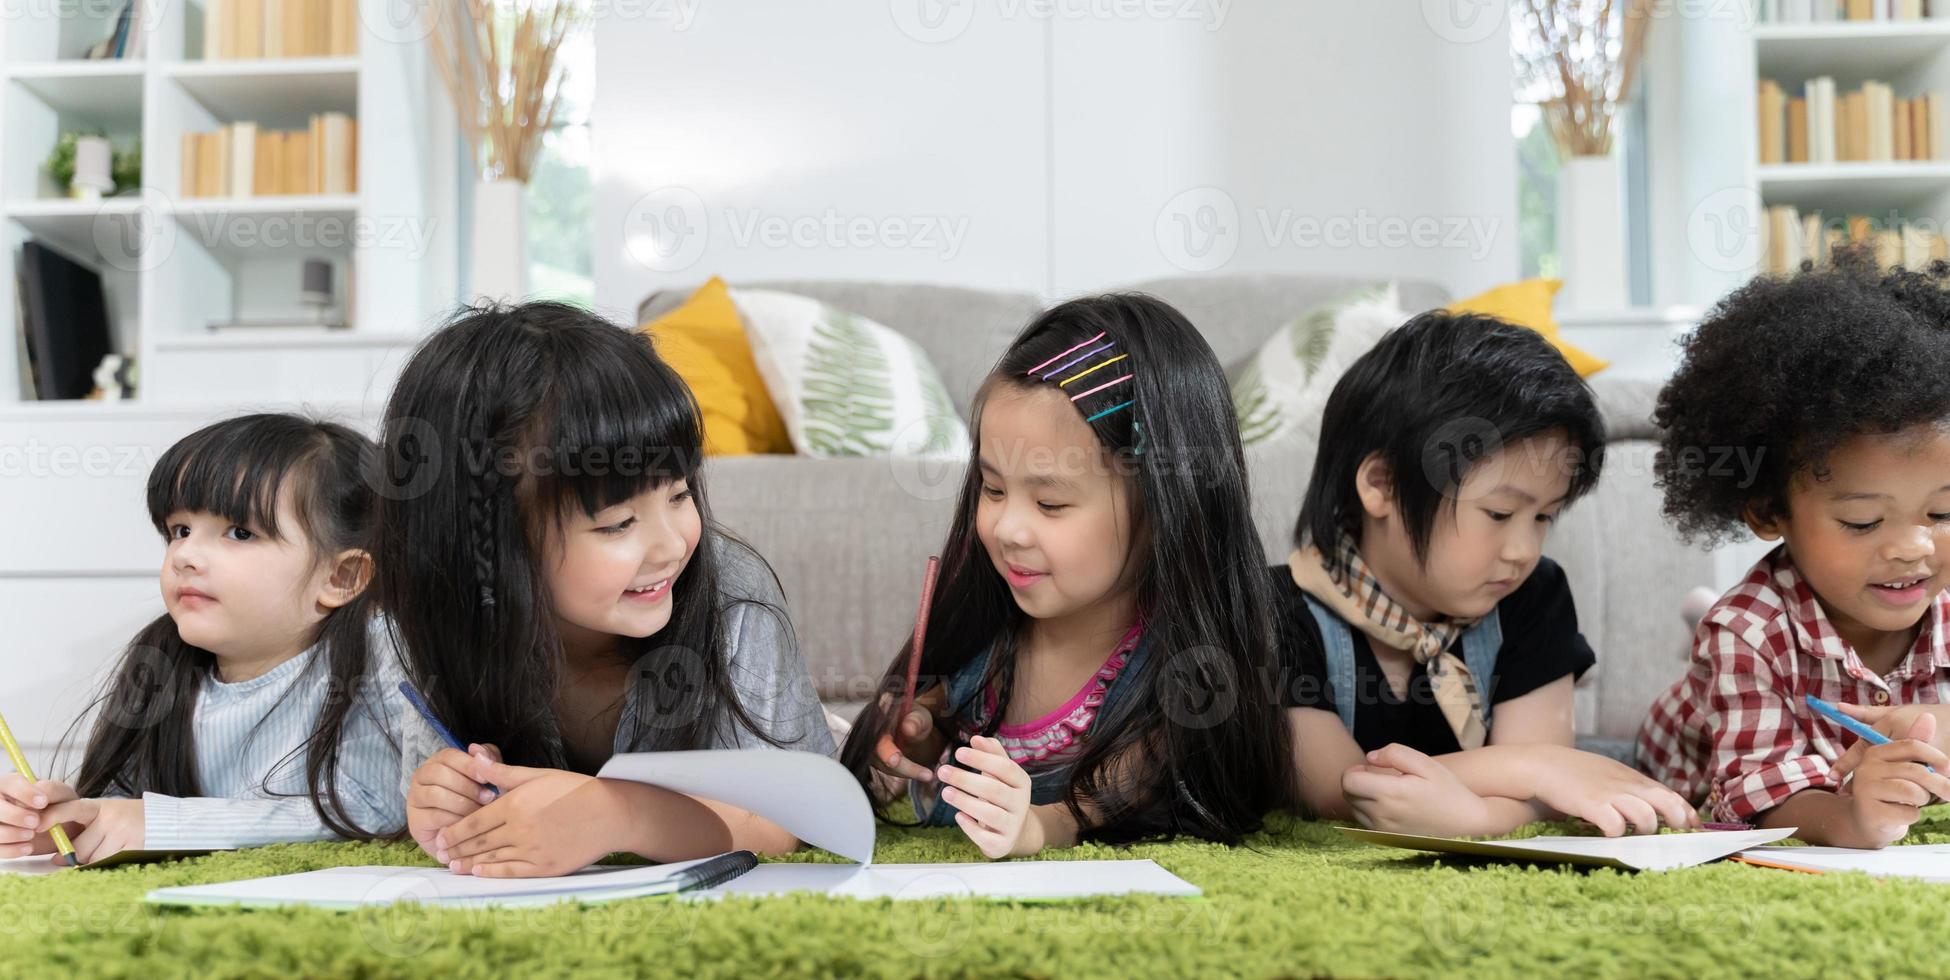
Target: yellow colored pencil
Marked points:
20	762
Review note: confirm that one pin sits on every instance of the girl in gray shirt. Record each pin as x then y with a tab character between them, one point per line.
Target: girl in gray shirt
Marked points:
560	594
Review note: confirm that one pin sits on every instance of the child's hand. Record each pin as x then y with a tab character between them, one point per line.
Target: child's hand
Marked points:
1890	786
1608	794
524	834
21	805
444	790
919	744
109	826
994	801
1403	790
1893	721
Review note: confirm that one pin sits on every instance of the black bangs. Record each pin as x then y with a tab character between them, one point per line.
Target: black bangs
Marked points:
617	423
233	469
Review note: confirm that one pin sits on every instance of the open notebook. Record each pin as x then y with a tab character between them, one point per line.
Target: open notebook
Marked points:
810	795
1649	852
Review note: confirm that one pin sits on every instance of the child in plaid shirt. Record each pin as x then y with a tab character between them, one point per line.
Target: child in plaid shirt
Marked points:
1815	411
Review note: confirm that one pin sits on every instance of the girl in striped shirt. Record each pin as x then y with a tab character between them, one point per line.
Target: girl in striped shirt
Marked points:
256	710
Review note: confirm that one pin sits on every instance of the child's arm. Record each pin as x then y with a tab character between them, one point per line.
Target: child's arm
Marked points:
1391	789
1876	807
1894	721
1529	771
1564	781
993	804
552	822
920	737
23	832
1323	752
1762	757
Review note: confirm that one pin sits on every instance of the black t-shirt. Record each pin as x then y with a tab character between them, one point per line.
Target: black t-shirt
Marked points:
1541	643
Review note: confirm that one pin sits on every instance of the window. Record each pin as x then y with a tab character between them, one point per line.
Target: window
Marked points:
559	192
1537	166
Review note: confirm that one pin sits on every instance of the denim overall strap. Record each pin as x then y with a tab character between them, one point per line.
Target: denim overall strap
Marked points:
1481	643
1047	786
1337	642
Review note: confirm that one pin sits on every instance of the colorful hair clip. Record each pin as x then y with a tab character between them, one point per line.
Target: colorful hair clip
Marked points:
1065	354
1110	411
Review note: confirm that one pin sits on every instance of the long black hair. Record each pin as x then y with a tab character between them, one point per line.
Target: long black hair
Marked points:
144	738
504	419
1200	751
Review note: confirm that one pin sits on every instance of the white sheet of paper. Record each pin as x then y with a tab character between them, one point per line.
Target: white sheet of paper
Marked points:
1019	880
810	795
39	864
1650	852
1925	862
355	887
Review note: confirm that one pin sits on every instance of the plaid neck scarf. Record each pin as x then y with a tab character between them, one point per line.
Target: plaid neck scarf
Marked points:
1343	583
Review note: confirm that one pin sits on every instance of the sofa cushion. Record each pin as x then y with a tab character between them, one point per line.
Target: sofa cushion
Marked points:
963	331
1237	313
848	386
704	342
1528	304
1281	391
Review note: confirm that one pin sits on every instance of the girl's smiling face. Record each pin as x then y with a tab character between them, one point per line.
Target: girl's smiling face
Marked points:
612	574
1869	533
1055	514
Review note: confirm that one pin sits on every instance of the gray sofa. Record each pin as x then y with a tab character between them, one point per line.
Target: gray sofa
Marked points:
848	537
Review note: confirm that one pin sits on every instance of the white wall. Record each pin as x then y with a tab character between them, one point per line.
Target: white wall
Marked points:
1053	147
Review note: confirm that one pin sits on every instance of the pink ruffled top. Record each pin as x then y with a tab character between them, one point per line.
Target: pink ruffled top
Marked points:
1055	739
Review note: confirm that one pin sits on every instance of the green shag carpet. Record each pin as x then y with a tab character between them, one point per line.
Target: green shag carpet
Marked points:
1299	901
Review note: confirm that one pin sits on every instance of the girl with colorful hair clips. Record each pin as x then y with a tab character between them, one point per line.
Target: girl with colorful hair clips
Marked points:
1102	617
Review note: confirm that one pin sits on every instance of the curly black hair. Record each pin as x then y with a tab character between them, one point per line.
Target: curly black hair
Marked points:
1784	370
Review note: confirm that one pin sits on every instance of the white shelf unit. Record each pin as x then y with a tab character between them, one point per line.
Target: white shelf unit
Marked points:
1913	57
173	265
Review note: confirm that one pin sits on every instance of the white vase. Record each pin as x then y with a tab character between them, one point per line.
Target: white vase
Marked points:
498	263
92	180
1590	235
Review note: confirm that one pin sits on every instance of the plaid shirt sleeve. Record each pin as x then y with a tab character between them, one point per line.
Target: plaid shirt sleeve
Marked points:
1760	752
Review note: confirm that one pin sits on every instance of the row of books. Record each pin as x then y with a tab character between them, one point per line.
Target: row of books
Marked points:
1820	11
1869	124
241	160
1789	238
280	29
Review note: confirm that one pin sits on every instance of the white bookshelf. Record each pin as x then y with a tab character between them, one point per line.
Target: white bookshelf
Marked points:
1913	57
172	265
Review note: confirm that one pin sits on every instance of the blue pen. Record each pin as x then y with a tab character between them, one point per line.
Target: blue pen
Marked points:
413	698
1835	715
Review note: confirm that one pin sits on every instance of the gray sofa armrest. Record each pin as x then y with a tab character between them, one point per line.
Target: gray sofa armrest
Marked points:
1629	575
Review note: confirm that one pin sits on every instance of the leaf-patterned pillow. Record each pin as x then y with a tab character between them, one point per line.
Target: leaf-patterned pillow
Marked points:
1279	391
845	385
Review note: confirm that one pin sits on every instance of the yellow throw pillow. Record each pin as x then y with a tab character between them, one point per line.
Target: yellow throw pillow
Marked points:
704	341
1528	304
